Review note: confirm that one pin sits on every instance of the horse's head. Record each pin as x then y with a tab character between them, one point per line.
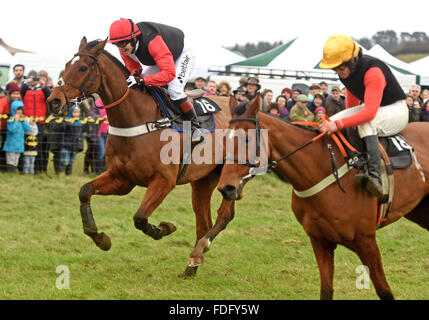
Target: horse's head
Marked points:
246	162
82	77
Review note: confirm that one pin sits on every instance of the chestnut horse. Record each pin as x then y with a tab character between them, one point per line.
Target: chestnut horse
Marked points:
331	217
135	161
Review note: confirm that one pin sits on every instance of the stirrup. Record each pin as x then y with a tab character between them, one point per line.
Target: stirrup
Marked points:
370	183
197	135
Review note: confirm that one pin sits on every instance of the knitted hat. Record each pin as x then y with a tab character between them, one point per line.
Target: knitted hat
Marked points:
12	87
320	109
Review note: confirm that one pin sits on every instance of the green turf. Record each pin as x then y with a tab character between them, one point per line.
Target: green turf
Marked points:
263	254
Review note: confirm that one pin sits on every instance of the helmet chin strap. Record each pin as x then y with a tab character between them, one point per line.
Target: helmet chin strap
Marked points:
133	39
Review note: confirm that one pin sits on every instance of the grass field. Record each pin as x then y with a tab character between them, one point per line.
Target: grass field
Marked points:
263	254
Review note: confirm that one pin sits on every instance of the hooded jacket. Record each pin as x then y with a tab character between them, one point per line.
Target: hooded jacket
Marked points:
15	137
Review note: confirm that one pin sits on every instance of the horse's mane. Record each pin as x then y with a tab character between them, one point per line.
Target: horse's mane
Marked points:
115	60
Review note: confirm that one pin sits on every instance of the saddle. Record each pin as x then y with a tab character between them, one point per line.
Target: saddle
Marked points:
396	153
204	108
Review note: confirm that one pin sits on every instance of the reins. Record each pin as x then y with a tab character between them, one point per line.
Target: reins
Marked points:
337	137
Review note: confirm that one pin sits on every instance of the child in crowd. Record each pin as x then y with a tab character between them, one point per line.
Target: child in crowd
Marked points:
30	148
102	139
73	142
319	112
16	128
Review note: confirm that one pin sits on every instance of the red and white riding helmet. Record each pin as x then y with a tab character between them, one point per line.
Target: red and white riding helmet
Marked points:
123	29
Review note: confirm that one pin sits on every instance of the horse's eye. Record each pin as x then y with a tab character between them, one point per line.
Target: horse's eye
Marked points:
83	68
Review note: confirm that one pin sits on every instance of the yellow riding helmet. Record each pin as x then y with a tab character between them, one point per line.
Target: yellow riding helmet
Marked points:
338	49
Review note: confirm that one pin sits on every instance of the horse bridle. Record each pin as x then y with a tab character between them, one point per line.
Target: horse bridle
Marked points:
84	91
253	165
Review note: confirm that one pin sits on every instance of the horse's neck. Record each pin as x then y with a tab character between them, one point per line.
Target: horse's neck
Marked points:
307	166
137	109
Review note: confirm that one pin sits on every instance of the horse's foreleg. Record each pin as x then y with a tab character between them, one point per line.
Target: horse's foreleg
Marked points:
156	192
324	252
225	215
104	184
367	250
202	191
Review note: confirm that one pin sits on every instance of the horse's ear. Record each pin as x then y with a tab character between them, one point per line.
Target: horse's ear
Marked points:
100	47
255	105
83	43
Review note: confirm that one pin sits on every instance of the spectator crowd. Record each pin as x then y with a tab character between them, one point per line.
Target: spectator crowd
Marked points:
30	132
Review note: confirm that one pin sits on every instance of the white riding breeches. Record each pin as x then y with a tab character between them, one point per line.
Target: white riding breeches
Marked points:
388	121
184	66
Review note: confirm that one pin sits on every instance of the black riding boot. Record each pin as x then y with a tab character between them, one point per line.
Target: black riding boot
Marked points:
10	168
191	115
371	180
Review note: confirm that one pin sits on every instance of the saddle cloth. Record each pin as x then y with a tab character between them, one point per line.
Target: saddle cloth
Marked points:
396	147
205	108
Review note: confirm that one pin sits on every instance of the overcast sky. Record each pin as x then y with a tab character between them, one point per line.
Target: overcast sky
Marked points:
58	26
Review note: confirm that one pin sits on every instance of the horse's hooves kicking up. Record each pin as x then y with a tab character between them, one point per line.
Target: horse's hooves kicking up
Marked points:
189	272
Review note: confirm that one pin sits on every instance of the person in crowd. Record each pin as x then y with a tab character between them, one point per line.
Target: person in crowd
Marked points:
90	134
252	88
318	114
50	84
383	112
55	129
324	86
168	61
413	109
211	88
334	103
282	103
224	89
415	93
239	95
425	95
314	89
102	138
14	94
343	94
242	82
267	98
200	83
287	92
424	113
30	148
273	109
318	101
73	142
300	111
292	102
34	94
18	71
15	137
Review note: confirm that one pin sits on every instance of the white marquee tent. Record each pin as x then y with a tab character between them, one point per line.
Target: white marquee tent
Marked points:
422	67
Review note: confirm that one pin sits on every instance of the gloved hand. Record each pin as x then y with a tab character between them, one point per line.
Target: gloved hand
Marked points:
134	81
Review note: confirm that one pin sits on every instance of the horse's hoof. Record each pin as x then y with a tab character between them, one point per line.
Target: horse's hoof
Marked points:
103	241
189	272
167	228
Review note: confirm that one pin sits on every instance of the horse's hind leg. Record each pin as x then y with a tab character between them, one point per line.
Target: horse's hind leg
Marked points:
420	214
104	184
367	250
156	192
324	252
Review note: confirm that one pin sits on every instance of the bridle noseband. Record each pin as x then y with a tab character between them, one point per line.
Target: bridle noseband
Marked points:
84	88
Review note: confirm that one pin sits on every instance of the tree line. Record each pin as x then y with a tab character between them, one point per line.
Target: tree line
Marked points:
404	43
